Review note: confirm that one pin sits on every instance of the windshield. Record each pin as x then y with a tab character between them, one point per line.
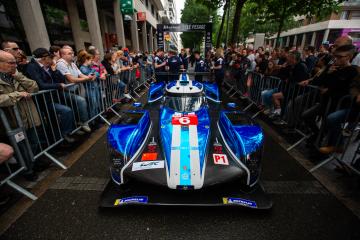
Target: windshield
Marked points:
184	103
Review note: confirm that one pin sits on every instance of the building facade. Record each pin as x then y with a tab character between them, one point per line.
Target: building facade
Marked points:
314	32
170	16
79	23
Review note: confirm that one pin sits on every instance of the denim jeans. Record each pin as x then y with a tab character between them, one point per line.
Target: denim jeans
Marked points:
149	71
121	89
65	118
78	104
93	98
333	125
266	97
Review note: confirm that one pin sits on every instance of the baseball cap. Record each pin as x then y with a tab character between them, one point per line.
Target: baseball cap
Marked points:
125	49
41	52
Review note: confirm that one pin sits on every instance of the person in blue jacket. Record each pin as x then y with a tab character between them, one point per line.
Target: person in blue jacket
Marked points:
39	70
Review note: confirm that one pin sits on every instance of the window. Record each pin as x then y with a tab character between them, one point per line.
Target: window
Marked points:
152	9
147	3
355	36
344	15
334	34
355	15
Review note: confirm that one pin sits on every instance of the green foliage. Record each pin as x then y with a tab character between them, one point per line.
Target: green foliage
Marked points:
195	12
281	11
255	21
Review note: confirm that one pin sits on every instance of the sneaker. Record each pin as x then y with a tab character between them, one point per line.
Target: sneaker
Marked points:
86	128
279	122
244	96
79	132
274	115
330	149
127	96
69	139
267	111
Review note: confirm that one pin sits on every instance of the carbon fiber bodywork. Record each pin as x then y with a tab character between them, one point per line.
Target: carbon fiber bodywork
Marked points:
192	153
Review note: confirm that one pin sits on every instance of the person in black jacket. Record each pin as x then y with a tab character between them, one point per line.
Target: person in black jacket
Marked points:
334	85
39	70
200	66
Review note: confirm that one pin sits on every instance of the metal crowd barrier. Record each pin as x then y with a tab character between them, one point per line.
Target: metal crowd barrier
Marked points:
297	100
17	136
85	101
37	127
349	115
47	135
140	81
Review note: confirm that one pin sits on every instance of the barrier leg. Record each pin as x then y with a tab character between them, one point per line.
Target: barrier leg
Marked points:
21	190
54	160
115	112
322	163
105	120
256	114
297	143
233	94
248	106
15	186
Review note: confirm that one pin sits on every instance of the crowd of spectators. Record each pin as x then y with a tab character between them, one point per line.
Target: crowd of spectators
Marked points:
61	71
332	69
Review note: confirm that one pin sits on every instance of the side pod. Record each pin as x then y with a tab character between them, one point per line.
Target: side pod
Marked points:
212	92
156	91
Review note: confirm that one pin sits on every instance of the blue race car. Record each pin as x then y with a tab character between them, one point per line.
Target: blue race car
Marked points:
181	148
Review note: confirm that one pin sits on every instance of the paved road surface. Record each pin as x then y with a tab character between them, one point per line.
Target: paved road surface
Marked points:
303	209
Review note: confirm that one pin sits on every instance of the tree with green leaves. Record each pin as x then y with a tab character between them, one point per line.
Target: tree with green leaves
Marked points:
236	22
195	12
214	5
254	21
280	11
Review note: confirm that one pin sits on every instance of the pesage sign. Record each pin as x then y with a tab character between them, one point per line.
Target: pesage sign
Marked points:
185	27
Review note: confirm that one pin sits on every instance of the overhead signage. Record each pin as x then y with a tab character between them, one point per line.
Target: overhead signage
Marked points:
126	6
185	27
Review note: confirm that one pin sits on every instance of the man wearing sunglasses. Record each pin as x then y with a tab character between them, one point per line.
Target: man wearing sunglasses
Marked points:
13	49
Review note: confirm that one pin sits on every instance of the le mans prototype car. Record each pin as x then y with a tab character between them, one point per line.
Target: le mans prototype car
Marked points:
181	148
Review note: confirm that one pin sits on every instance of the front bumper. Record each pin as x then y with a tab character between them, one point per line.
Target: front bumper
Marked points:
138	194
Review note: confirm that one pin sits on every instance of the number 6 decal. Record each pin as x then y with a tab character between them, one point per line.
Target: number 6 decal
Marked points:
184	120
